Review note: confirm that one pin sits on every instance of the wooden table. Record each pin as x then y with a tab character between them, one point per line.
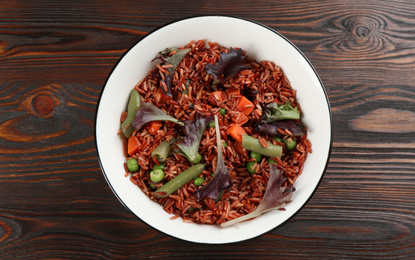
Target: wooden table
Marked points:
56	55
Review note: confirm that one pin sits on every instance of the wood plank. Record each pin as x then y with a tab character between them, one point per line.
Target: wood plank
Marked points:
54	60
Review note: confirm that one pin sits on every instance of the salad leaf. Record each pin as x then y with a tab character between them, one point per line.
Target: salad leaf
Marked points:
296	128
194	130
250	93
148	112
222	179
174	60
275	196
228	65
275	112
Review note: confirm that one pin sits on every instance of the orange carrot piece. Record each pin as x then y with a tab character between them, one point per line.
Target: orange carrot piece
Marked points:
218	95
133	145
236	131
240	149
245	105
154	127
163	97
239	118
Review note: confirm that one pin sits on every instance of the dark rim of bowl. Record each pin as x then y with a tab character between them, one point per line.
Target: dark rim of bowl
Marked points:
223	16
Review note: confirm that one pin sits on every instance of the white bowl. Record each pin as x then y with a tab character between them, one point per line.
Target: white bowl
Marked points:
261	43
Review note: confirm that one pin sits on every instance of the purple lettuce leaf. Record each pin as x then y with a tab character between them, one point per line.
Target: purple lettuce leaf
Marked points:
174	60
148	112
228	65
222	179
275	196
250	93
194	131
296	128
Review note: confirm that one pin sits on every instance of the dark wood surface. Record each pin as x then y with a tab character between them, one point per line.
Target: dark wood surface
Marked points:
56	55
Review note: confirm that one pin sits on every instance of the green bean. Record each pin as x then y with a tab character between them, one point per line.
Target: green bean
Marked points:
253	144
161	152
132	165
156	175
179	181
290	143
133	105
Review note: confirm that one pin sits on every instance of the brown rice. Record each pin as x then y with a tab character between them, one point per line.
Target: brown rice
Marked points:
264	77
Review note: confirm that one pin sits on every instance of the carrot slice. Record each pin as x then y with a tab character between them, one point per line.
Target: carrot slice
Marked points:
218	95
240	149
134	145
239	117
154	127
245	105
236	131
163	97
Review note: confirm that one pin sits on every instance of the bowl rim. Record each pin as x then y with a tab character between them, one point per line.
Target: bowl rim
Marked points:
330	117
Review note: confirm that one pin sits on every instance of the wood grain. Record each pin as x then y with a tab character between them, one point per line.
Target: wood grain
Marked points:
55	58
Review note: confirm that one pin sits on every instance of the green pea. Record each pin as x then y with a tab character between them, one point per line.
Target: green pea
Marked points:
224	144
222	111
256	156
153	186
278	139
198	181
271	161
290	143
156	175
249	165
132	165
212	124
159	167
